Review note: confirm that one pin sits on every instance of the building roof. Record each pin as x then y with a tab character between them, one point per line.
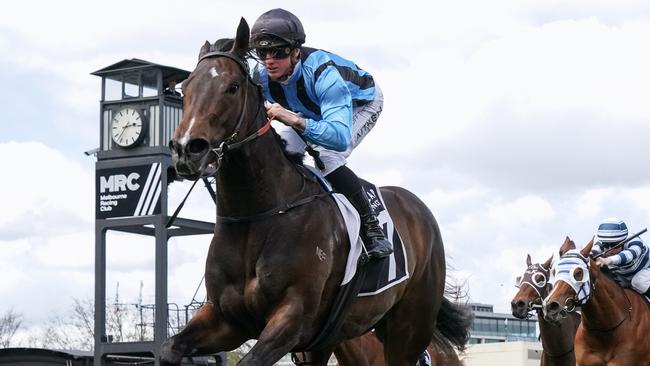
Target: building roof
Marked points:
169	73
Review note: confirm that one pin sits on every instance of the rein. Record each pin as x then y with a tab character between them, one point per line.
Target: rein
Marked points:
627	316
229	144
272	212
577	301
551	355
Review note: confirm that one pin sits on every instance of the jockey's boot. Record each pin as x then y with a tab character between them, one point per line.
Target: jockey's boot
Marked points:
373	236
345	181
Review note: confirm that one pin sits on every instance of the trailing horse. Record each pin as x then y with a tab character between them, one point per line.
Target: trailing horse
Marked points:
615	321
534	285
277	258
368	350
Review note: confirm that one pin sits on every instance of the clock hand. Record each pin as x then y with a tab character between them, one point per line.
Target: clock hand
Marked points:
122	133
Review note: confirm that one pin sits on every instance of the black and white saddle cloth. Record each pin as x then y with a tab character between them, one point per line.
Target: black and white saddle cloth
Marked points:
380	274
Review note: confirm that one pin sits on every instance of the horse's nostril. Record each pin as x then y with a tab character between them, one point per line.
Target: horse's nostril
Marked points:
553	306
198	147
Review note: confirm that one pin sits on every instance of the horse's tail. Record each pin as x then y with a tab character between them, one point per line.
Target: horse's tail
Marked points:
453	324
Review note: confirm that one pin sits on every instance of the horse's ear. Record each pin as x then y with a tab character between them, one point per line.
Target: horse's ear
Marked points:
585	251
547	264
567	245
240	47
529	262
204	49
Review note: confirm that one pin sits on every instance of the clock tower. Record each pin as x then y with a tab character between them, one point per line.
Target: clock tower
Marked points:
140	108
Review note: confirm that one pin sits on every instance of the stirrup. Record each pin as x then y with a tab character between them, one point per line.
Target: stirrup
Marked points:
377	248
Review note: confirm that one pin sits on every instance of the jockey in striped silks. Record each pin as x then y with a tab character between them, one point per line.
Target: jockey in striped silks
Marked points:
629	265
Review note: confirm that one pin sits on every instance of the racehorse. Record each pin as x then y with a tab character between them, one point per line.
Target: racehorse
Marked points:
534	285
277	257
615	323
454	321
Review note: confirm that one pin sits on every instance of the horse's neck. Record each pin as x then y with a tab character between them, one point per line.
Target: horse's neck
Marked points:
607	306
256	178
556	339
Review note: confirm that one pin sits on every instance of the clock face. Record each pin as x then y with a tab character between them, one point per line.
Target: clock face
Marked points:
127	127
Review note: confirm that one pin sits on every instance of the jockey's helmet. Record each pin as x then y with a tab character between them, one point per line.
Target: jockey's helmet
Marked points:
277	28
612	230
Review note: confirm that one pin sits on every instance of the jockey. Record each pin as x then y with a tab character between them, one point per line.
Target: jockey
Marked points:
630	264
325	98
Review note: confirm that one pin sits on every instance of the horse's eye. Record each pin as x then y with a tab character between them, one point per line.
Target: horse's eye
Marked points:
578	274
539	280
232	88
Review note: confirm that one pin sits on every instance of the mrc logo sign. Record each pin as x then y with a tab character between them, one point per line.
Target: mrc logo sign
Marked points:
128	191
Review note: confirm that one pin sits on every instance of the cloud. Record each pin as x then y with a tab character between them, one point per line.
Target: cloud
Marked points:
46	193
487	234
517	122
47	237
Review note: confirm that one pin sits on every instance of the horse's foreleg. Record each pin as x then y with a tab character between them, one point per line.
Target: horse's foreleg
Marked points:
205	333
279	337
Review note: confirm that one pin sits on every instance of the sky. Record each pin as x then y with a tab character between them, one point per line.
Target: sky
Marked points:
518	122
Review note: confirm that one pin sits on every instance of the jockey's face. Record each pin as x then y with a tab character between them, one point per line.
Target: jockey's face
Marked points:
614	251
279	69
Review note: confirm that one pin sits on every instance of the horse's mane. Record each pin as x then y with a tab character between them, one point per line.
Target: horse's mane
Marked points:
225	45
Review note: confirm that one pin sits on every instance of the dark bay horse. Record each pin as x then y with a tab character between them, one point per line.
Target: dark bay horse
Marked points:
276	261
534	286
615	321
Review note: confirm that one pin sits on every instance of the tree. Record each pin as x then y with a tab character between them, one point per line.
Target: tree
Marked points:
10	322
75	329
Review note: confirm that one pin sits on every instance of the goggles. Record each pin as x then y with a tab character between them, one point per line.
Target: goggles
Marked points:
273	52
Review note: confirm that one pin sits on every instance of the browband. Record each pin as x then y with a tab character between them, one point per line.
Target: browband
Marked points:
239	61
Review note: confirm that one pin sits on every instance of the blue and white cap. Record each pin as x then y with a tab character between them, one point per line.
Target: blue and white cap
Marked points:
612	230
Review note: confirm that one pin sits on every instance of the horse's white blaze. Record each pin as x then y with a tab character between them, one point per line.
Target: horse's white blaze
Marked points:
545	301
214	72
186	136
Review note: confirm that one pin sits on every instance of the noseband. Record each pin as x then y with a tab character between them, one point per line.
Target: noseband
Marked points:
228	143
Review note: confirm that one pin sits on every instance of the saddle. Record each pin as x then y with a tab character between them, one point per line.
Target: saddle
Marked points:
361	278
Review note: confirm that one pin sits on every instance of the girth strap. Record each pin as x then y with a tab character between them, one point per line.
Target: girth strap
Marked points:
272	212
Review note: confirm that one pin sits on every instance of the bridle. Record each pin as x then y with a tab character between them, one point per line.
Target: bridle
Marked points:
583	288
229	144
542	289
530	278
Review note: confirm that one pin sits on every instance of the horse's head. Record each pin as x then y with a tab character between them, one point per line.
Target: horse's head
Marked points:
533	288
217	105
572	285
